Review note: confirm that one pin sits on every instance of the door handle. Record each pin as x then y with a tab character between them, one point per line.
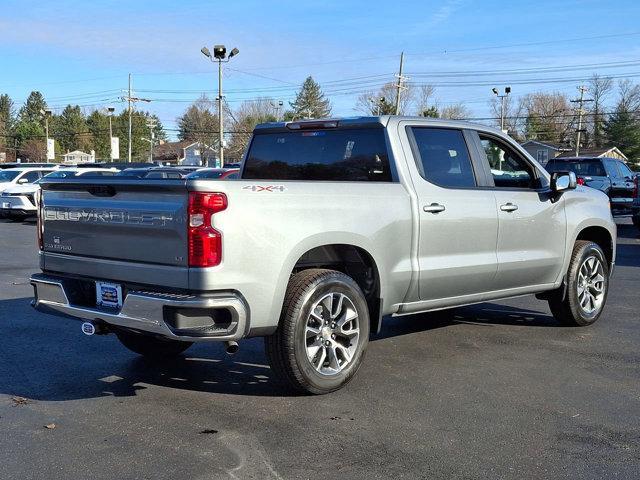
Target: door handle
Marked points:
508	207
434	208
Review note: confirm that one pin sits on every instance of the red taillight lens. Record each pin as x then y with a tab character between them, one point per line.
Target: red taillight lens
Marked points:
580	181
205	242
40	221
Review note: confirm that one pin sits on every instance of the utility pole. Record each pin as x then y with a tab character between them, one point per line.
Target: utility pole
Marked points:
130	100
580	101
399	85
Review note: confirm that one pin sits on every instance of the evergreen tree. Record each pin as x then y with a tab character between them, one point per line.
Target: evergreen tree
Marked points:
310	102
32	110
70	130
622	129
6	120
198	123
98	125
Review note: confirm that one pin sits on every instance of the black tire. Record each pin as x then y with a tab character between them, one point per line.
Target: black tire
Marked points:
636	220
152	347
567	309
286	349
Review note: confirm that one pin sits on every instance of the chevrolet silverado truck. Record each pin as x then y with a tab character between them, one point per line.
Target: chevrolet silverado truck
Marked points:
332	225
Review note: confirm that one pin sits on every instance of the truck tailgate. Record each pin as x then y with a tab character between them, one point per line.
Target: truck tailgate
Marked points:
142	221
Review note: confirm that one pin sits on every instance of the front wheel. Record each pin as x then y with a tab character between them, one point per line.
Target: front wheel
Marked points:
586	289
152	347
323	332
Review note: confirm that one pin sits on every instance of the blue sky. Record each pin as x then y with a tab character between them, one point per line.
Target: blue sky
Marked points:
81	52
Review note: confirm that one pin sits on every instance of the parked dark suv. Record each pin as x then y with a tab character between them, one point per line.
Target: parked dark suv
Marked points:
610	175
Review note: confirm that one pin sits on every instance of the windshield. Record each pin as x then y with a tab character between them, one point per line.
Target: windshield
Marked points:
7	176
62	174
207	174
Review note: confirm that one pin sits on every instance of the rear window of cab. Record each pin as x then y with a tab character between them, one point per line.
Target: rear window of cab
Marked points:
357	154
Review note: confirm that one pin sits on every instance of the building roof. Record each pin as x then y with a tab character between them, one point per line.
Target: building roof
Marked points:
171	150
76	153
595	152
553	146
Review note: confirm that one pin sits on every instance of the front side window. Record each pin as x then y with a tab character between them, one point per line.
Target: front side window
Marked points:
443	157
624	170
509	170
350	154
611	167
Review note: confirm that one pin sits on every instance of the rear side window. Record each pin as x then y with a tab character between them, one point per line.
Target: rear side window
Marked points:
356	155
443	157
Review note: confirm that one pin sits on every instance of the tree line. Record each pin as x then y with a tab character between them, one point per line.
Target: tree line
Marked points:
612	118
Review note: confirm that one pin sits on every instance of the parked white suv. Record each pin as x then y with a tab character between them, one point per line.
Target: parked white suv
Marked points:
19	201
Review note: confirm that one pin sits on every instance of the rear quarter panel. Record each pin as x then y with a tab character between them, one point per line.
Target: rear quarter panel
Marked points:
266	231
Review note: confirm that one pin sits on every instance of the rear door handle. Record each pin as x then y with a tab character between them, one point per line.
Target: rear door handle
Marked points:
508	207
434	208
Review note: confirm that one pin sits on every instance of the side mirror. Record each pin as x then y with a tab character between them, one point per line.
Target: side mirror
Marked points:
23	180
562	181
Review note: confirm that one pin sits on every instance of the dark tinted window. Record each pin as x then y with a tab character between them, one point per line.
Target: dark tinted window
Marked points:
592	168
612	168
443	157
339	155
210	174
509	170
625	171
30	177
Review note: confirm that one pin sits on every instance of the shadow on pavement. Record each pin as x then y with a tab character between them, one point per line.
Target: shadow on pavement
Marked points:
43	357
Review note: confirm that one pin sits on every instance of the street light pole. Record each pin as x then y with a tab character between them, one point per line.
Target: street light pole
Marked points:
220	121
220	54
503	104
46	114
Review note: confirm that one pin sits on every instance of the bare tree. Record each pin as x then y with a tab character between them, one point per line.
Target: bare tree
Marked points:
245	118
549	117
512	114
457	111
599	89
628	96
383	101
427	103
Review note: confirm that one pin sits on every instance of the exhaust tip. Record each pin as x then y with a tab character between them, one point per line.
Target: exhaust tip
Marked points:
88	328
231	347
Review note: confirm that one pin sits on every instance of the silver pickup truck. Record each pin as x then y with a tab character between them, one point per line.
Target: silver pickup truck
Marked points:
332	225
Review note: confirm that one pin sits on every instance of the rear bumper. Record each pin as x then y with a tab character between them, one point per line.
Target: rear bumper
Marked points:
151	312
16	212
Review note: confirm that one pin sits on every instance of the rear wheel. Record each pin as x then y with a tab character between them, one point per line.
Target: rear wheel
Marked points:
149	346
586	289
323	332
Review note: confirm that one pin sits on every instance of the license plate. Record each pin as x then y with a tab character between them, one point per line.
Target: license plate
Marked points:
108	295
6	205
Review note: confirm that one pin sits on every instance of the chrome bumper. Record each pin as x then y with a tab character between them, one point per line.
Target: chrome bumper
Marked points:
144	311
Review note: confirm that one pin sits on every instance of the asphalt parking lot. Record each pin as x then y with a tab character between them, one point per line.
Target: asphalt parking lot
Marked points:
496	390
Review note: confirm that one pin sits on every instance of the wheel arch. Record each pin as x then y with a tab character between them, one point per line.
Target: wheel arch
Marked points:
600	236
353	260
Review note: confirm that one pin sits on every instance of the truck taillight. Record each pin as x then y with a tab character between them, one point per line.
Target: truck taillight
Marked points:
40	220
205	242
